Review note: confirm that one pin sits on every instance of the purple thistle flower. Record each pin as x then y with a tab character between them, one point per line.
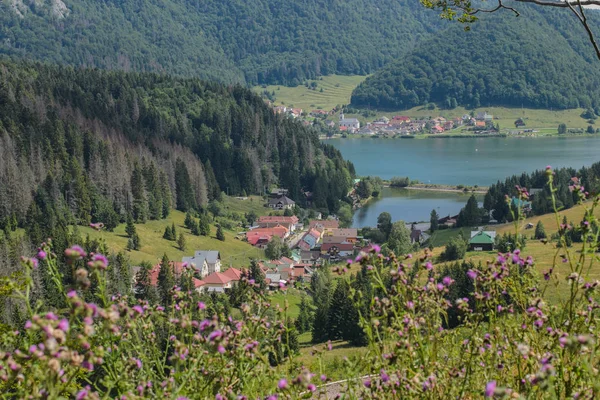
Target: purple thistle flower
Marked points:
75	252
472	274
138	363
100	260
32	349
201	305
323	377
41	255
138	309
28	324
490	389
215	335
367	383
447	281
376	248
428	266
71	294
51	316
63	325
282	384
221	349
311	387
82	394
384	376
219	397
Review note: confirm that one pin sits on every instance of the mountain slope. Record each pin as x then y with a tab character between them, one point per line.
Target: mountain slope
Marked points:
538	60
258	41
79	145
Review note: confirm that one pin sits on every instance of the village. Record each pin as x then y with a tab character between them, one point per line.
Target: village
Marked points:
320	243
398	126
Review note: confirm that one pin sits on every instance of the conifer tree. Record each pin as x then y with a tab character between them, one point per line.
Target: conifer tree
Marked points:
189	220
258	276
181	242
166	281
304	321
130	227
168	235
321	289
140	202
220	234
540	232
183	187
165	190
195	228
434	218
173	231
204	226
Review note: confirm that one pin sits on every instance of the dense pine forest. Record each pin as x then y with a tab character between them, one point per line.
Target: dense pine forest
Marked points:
255	41
538	60
80	146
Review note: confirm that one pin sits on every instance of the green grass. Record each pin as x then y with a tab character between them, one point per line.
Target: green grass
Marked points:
234	252
293	298
442	237
252	203
337	90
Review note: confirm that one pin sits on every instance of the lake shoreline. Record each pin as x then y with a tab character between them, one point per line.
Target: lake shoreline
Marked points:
444	189
464	136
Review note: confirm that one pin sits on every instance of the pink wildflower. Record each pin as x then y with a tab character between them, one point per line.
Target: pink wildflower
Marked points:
490	389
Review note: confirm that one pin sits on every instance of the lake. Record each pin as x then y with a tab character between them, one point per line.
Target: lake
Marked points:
410	205
477	161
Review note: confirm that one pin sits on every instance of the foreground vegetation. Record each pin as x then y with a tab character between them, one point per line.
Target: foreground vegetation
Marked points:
464	331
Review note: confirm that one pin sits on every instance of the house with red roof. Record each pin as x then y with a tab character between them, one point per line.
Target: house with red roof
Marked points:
437	129
269	221
176	267
259	237
217	282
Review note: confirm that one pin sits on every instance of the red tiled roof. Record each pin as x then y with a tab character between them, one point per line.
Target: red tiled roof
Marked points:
286	260
217	278
233	273
198	283
254	239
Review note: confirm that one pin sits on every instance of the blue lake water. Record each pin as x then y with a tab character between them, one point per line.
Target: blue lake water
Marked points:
480	161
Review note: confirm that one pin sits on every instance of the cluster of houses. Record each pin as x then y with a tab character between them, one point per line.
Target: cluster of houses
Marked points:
267	228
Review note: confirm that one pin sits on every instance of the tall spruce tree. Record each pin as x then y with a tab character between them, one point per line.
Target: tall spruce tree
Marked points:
166	281
434	218
220	233
183	186
138	192
305	316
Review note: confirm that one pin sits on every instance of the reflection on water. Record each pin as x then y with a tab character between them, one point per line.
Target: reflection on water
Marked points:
410	206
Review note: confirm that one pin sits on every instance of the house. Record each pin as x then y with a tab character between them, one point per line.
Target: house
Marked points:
296	112
484	116
283	262
448	125
480	124
212	259
217	282
448	221
281	203
291	223
351	124
324	224
347	235
437	129
418	236
259	237
310	256
330	124
338	249
277	192
482	241
310	240
280	109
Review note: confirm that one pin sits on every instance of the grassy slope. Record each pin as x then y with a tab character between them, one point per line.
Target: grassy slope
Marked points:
233	251
337	90
543	254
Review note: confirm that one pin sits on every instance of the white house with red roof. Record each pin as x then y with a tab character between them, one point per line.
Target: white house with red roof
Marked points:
221	281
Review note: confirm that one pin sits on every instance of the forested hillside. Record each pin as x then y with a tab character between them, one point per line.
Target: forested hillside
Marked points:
538	60
80	146
257	41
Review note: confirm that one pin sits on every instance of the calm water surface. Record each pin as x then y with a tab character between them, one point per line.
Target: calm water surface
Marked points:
481	161
410	206
465	161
